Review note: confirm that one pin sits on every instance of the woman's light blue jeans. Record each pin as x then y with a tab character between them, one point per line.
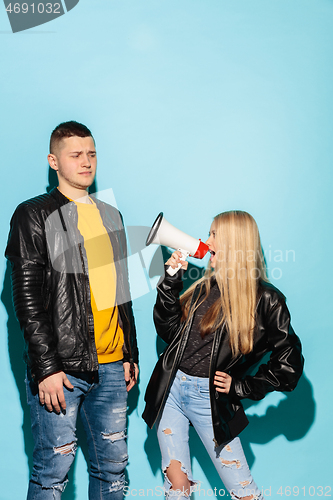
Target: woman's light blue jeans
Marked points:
101	401
189	401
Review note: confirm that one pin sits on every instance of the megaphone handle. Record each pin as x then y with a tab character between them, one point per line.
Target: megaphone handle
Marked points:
171	271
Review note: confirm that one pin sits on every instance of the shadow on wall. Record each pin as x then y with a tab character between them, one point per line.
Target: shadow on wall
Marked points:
18	367
292	417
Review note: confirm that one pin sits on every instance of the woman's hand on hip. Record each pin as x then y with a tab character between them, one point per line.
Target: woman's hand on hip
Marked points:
222	382
176	259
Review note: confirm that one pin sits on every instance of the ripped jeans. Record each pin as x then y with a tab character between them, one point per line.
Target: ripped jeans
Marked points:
101	400
189	401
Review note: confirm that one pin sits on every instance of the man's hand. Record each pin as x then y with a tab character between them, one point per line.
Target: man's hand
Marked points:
131	376
51	391
222	382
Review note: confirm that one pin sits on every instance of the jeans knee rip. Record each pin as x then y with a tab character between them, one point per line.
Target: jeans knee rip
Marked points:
253	497
193	483
121	412
176	494
114	436
116	486
71	411
123	409
121	420
244	491
56	487
231	463
66	449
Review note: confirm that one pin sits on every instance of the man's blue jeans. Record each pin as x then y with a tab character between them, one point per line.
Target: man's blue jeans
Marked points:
101	400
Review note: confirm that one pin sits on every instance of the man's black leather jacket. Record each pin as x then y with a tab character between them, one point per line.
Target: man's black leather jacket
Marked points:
50	284
273	334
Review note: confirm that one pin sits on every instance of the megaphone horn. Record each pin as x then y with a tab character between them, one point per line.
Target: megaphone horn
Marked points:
164	233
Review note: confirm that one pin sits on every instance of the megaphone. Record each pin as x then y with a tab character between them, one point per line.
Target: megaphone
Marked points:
164	233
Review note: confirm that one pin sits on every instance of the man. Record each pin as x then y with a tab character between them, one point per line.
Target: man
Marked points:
71	297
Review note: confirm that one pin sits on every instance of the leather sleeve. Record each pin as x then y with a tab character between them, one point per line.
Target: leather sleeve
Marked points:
134	356
167	310
285	365
27	252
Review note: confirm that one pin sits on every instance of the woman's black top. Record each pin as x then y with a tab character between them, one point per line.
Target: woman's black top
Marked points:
196	357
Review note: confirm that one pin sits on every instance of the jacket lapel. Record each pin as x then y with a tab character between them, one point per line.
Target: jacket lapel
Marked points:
221	351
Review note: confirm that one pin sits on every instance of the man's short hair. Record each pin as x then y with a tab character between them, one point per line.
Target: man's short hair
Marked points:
67	129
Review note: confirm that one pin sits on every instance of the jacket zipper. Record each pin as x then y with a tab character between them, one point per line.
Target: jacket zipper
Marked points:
85	283
86	305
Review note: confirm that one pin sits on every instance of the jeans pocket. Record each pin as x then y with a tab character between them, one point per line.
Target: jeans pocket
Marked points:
204	390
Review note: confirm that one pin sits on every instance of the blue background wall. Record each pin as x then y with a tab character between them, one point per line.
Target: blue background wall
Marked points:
197	107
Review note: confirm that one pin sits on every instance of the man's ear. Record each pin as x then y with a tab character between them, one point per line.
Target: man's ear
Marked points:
52	159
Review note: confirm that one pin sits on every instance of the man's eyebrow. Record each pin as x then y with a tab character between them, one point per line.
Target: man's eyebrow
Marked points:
80	152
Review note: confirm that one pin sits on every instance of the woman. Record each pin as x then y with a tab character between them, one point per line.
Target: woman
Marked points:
220	328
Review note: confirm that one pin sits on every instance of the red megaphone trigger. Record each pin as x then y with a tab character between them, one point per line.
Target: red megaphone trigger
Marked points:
201	250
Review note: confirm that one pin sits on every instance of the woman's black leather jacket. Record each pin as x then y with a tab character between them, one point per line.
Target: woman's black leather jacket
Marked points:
50	284
273	334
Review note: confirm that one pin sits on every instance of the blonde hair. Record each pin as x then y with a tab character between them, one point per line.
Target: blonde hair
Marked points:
239	266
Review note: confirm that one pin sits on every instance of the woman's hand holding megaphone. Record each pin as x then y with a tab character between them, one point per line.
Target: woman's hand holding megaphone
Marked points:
176	262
